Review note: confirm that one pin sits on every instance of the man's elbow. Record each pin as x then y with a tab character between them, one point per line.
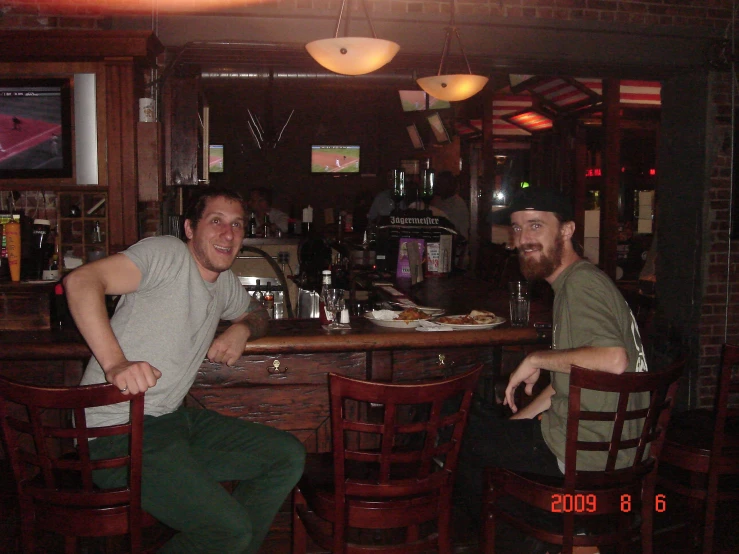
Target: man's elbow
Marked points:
619	361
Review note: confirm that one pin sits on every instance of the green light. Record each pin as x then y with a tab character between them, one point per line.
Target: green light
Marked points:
524	185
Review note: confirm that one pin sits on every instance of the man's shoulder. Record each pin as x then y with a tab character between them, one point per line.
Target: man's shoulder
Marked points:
587	275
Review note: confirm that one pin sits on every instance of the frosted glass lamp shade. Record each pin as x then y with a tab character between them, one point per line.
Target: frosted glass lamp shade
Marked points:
352	55
452	88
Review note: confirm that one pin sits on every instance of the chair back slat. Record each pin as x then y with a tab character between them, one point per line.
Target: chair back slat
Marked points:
47	439
661	387
394	440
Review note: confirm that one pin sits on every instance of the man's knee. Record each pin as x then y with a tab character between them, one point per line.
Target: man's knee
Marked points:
292	456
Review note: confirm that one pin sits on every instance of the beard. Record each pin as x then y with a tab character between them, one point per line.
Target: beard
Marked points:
535	270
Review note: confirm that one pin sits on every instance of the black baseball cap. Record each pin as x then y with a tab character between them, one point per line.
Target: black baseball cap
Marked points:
536	199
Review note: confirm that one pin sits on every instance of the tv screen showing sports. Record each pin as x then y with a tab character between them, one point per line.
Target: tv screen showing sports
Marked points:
437	126
215	158
35	128
436	104
334	159
412	100
415	136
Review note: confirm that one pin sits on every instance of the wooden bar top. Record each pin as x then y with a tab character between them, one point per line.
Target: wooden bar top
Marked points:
456	295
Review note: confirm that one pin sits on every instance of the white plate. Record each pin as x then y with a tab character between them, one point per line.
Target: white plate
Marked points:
477	327
431	311
392	323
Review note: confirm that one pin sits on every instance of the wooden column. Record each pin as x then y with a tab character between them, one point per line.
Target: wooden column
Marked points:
612	176
580	189
120	99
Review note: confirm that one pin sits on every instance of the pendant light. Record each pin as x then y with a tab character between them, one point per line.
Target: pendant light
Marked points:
452	87
352	55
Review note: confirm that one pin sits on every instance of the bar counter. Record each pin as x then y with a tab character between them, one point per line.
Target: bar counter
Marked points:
281	378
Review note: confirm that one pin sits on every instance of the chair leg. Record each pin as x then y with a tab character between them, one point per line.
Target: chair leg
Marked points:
487	518
300	536
70	545
444	529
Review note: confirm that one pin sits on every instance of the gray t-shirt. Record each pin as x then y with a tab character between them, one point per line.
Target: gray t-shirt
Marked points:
590	311
170	322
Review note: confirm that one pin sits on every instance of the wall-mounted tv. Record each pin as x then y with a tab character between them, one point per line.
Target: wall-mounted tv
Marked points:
334	159
437	126
35	128
436	104
415	136
412	100
215	158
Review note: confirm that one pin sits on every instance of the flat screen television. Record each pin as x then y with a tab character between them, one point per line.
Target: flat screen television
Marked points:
415	136
35	128
412	100
437	126
215	158
334	159
436	104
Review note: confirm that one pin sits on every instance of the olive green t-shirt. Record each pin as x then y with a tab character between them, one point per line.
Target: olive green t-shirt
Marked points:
590	311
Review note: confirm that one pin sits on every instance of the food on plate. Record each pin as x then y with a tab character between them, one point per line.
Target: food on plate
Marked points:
412	314
475	317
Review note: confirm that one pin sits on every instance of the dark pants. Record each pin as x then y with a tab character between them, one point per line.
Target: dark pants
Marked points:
492	440
187	454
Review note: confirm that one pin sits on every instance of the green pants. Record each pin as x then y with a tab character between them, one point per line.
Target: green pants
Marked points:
186	455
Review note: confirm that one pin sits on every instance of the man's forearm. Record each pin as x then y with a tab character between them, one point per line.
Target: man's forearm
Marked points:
609	359
541	403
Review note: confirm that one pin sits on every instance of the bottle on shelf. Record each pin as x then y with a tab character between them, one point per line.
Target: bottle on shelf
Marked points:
269	301
325	286
252	231
266	226
258	295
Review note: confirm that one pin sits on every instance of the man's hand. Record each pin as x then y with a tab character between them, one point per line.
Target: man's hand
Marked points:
229	346
526	373
133	377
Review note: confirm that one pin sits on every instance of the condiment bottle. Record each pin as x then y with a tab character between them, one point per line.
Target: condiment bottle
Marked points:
325	286
269	301
258	295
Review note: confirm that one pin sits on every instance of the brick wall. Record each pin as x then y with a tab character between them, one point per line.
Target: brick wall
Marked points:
719	285
82	14
717	324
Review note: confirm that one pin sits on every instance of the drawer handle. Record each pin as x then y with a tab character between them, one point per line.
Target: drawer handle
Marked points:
442	359
275	368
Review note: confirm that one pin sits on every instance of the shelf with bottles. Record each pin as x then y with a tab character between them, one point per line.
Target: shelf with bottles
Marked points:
83	227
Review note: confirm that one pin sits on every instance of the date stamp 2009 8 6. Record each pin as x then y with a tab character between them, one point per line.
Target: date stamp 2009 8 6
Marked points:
588	503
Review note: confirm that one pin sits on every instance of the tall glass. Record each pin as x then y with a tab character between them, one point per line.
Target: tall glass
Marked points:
334	305
520	303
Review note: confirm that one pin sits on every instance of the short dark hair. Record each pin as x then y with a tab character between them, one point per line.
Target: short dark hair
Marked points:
197	203
446	184
263	192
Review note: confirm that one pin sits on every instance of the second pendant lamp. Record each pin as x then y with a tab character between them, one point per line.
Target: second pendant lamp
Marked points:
457	86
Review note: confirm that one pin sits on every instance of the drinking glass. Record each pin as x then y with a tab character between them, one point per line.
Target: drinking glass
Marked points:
519	303
334	305
427	187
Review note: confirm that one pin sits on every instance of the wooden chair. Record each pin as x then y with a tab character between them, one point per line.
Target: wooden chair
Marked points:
582	496
55	489
704	445
395	450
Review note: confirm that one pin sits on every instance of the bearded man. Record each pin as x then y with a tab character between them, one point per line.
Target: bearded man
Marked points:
592	327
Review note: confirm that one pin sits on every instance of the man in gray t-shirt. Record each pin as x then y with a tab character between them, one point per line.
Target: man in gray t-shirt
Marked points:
173	295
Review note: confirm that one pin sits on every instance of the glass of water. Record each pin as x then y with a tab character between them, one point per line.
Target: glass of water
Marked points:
519	302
